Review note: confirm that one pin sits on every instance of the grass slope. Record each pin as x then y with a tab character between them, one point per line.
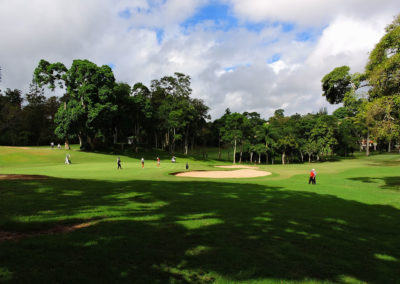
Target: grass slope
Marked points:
151	227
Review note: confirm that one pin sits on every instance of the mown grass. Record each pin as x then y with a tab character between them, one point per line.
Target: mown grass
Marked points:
151	227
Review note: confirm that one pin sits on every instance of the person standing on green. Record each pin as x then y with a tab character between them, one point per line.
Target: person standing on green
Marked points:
315	176
119	163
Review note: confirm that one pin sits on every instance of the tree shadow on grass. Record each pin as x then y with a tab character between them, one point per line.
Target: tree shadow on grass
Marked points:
180	232
392	183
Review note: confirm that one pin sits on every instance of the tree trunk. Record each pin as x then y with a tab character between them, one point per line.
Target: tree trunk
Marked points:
167	144
390	146
90	142
309	158
251	157
259	158
302	156
173	142
234	153
115	135
219	148
67	144
367	143
136	131
187	140
283	157
266	158
80	140
241	152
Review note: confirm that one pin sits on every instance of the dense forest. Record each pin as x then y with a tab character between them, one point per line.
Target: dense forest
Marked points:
100	113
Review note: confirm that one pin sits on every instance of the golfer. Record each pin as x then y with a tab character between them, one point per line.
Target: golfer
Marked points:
158	162
119	163
312	176
315	176
142	162
68	159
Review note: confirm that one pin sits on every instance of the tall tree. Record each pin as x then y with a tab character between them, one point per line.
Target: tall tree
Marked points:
336	84
11	118
232	130
89	102
383	68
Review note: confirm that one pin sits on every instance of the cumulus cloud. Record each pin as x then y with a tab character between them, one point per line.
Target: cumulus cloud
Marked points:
310	12
249	60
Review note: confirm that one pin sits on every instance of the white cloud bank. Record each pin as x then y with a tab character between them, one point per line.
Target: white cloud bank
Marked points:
229	68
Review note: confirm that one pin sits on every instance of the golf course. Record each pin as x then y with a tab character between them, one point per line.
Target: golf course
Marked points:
89	222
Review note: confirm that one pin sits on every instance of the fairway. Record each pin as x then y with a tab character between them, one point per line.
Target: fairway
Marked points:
90	223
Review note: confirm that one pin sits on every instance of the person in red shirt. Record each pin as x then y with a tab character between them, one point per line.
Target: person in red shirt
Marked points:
312	177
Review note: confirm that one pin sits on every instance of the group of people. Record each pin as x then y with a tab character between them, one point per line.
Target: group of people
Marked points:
68	162
313	175
52	146
142	162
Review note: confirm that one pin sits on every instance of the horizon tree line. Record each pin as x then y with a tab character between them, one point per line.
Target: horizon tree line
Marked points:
100	113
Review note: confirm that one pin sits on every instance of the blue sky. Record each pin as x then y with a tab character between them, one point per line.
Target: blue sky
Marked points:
257	55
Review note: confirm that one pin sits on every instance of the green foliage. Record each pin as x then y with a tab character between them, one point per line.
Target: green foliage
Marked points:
29	124
89	102
383	68
50	74
336	84
384	116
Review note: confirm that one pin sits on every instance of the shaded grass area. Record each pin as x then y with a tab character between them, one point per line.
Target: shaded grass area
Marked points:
181	232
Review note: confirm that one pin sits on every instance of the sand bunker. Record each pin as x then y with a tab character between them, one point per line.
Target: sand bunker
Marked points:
22	177
244	173
237	167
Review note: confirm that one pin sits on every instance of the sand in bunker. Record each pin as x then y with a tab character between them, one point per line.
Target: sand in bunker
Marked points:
237	167
244	173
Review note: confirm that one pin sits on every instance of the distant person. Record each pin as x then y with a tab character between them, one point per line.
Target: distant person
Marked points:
187	165
68	159
142	162
315	176
52	145
119	164
173	160
312	177
59	146
158	162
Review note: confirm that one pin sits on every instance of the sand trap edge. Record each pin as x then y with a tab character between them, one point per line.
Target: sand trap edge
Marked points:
243	173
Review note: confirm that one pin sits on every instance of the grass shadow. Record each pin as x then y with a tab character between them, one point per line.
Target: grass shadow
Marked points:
392	183
185	232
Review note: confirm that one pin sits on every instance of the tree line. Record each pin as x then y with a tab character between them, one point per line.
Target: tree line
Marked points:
371	99
98	112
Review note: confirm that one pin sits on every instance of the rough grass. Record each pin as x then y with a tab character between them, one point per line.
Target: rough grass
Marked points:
150	227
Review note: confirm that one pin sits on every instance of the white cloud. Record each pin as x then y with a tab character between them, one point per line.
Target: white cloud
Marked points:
347	41
310	12
229	68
